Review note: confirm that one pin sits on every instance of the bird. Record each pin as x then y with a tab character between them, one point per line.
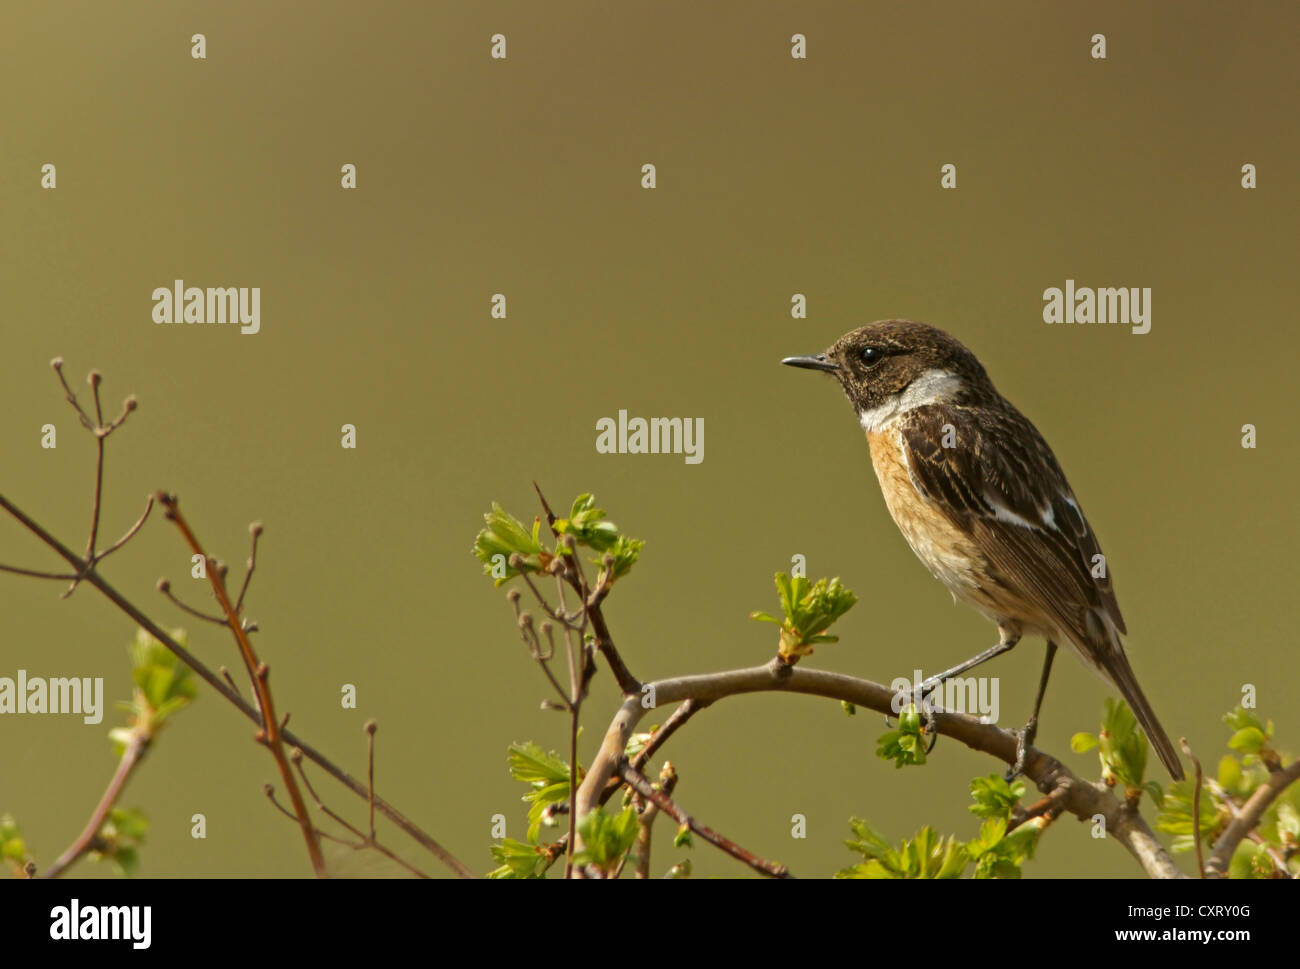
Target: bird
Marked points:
982	501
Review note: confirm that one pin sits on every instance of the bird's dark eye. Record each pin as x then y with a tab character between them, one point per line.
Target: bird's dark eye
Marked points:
870	355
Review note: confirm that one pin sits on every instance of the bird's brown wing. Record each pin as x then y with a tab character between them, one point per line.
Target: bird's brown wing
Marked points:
999	481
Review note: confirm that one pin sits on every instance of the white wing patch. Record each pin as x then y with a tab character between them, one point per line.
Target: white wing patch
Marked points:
1004	514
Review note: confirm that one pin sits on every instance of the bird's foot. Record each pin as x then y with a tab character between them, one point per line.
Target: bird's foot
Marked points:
1024	740
926	709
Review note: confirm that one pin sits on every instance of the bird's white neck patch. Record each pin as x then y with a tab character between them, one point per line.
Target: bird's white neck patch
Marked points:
932	387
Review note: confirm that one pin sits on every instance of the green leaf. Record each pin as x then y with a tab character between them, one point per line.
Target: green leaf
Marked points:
506	536
1121	746
13	848
547	774
517	860
1250	860
606	838
994	796
1175	815
924	856
810	609
1081	743
1248	740
533	765
905	745
119	838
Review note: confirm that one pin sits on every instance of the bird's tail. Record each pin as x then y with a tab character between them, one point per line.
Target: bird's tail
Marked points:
1116	667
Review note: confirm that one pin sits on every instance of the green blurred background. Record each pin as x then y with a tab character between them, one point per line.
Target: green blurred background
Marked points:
776	176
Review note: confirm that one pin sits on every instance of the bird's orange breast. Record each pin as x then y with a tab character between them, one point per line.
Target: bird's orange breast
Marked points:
947	551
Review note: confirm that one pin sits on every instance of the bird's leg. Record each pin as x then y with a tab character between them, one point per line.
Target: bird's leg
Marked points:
1025	737
1007	641
1009	638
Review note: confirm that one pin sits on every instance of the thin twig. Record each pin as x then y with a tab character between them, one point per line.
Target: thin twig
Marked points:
135	748
255	530
165	588
230	694
86	422
261	682
627	683
130	533
226	673
646	819
573	785
676	720
1196	804
33	574
363	841
642	786
370	728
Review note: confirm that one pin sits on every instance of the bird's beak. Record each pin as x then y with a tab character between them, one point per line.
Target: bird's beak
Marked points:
817	361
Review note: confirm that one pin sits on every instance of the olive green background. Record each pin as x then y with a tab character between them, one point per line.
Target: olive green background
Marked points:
775	176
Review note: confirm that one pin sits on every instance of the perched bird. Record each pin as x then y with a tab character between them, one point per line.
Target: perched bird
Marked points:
984	504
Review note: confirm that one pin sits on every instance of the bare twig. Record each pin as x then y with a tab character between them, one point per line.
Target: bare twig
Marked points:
645	821
231	695
676	720
261	682
363	841
255	530
34	574
370	728
165	587
86	422
100	431
226	673
135	749
1049	807
1196	804
130	533
642	786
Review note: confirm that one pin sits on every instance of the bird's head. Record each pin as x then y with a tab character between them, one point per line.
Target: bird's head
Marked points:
888	368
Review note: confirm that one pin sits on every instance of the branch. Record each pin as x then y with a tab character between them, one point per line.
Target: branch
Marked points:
1216	866
260	674
231	695
676	720
638	782
1082	798
1196	803
628	684
135	749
